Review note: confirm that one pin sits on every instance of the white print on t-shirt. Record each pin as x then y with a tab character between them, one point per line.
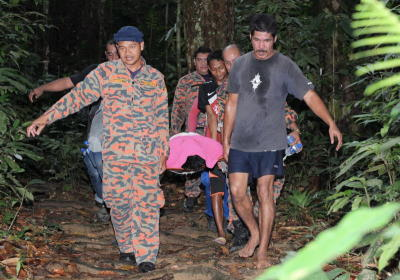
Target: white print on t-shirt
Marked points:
256	81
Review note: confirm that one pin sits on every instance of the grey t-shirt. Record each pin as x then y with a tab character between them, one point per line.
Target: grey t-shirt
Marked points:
263	86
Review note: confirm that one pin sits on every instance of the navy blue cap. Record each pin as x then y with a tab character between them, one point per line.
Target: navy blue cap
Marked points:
128	33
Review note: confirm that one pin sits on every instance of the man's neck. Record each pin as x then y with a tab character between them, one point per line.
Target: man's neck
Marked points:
220	82
207	77
136	66
270	54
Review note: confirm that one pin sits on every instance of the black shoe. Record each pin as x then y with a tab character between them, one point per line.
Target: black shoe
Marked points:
102	215
98	204
127	258
146	267
162	212
240	236
189	204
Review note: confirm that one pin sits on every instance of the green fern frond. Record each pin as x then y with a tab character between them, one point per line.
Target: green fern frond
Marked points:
378	51
377	40
388	82
382	27
380	65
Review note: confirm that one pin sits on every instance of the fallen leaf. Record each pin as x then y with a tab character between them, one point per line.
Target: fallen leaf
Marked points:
71	268
10	261
225	250
58	271
11	270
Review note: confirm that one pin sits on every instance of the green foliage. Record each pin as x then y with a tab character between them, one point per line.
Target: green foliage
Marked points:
62	143
383	27
333	242
305	206
377	156
16	32
18	29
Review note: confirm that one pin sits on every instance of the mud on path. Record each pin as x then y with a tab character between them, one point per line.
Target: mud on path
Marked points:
61	239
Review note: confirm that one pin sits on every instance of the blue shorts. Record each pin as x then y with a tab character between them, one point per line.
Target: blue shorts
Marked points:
257	164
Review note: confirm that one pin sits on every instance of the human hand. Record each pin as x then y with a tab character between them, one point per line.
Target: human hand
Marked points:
37	126
35	94
296	136
227	147
297	139
334	132
163	163
222	166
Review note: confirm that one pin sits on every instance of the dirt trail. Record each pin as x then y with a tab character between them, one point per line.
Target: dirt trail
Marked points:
64	241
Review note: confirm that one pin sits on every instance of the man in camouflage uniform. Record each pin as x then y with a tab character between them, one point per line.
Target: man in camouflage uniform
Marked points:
135	141
185	93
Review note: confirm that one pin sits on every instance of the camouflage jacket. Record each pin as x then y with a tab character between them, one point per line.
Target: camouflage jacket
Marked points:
135	112
185	93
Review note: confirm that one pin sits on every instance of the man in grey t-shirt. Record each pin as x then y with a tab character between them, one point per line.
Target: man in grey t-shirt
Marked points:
254	127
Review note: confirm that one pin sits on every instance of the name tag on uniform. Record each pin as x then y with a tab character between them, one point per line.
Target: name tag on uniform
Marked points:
149	83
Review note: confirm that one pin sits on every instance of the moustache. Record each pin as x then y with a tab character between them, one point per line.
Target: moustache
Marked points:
261	51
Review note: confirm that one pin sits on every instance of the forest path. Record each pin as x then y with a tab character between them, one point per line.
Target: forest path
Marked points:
63	241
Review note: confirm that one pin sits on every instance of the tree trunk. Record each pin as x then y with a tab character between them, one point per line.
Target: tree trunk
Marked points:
207	22
333	59
178	39
101	31
166	29
46	56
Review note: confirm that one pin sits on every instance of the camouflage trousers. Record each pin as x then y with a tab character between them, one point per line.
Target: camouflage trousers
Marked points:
132	192
277	188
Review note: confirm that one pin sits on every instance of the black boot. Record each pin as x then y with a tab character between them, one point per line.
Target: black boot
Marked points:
162	212
146	267
127	258
102	215
240	236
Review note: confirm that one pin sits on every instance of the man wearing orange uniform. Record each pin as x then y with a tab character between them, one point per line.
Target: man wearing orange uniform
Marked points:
135	141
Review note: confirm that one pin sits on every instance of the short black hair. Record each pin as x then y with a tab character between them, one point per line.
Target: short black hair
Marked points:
194	163
111	42
215	55
263	23
202	49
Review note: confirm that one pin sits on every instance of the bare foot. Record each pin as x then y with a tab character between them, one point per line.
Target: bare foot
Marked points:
262	261
248	250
